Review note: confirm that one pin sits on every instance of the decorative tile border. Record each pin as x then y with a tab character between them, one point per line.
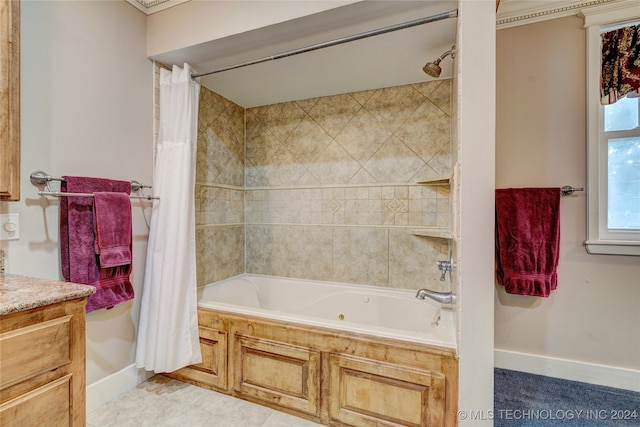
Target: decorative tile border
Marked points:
409	205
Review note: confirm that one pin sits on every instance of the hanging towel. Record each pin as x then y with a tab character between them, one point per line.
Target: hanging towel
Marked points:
527	240
79	261
112	225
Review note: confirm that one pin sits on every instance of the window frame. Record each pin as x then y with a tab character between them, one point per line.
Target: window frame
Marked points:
599	239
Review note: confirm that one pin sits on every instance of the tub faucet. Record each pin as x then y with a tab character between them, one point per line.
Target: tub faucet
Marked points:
441	297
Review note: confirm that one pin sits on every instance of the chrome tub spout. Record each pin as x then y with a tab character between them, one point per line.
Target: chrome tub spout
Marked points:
447	298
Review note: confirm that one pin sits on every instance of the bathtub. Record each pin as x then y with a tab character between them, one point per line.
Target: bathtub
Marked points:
380	312
332	353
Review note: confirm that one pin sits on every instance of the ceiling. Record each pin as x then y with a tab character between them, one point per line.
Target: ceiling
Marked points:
390	59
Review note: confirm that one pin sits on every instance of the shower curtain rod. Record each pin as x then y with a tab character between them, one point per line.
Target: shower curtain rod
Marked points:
433	18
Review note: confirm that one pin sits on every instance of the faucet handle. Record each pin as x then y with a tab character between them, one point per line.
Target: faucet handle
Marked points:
444	266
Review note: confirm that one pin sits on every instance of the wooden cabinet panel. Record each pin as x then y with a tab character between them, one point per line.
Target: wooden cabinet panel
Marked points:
9	100
212	372
332	378
52	339
42	365
369	393
281	374
49	405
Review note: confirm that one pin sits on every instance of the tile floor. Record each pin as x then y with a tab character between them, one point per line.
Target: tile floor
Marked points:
163	402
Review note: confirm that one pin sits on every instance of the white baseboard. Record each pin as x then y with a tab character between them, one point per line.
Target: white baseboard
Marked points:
108	388
610	376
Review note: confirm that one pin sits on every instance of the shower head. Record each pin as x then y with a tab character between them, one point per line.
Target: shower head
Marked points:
433	68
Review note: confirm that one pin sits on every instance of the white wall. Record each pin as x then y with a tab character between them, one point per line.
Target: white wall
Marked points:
593	318
195	22
86	93
476	144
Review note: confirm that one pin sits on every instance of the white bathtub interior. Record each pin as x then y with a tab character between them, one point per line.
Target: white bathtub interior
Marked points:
385	312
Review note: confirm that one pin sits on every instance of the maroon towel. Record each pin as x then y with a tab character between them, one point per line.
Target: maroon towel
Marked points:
80	263
527	240
112	225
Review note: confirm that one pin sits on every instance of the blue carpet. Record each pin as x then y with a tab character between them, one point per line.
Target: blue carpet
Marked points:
527	400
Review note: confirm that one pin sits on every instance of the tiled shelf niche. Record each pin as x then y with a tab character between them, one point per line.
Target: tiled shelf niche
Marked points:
435	232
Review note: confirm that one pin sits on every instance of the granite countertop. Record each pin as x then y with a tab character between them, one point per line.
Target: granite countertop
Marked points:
20	293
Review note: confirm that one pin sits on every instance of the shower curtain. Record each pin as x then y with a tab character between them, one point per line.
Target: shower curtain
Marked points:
168	327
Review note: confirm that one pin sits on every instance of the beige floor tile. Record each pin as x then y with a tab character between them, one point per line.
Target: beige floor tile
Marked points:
163	402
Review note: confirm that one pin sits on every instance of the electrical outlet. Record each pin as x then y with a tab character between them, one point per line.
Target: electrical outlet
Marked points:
9	226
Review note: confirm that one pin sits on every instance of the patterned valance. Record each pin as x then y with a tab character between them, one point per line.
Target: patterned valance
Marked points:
620	64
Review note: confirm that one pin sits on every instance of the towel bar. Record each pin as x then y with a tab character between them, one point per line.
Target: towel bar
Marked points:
568	190
63	194
41	179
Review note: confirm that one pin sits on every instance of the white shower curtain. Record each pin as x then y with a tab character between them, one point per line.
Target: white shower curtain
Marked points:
168	328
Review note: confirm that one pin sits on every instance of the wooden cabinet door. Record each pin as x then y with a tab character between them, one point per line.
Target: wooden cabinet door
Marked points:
367	393
9	100
277	373
212	371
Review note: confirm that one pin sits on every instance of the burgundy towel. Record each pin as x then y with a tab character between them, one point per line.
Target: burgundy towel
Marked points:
80	263
112	225
527	240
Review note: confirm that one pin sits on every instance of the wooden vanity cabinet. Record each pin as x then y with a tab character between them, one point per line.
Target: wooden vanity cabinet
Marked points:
42	366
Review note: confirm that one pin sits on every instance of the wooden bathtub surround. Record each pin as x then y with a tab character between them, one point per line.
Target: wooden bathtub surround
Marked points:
42	352
332	377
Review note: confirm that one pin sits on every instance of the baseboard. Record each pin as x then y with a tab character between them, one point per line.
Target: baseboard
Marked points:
110	387
609	376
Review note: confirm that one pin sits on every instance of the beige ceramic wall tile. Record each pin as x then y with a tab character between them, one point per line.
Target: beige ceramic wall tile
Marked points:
307	140
426	131
219	161
407	205
394	162
219	252
362	136
361	255
282	119
393	105
333	113
413	261
441	96
220	152
344	232
334	165
290	251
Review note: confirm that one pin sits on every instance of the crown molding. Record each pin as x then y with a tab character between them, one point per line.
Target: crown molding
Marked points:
621	12
512	13
151	6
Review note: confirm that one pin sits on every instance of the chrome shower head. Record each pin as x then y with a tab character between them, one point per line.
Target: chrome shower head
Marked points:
433	68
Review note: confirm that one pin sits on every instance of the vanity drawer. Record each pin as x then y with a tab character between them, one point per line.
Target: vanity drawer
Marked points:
34	349
48	405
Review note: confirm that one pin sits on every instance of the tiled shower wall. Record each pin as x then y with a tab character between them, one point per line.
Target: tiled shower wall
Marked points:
331	186
326	188
219	189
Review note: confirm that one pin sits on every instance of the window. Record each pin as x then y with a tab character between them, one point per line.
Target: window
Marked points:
620	169
613	132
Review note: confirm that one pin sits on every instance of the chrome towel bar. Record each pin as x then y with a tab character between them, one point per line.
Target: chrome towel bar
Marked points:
568	190
42	179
